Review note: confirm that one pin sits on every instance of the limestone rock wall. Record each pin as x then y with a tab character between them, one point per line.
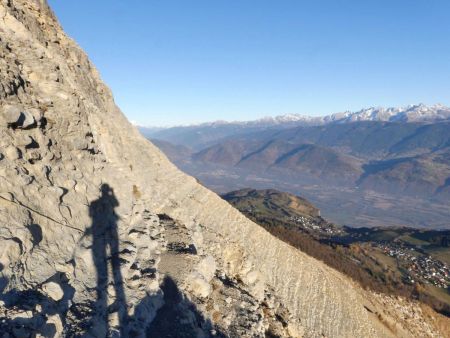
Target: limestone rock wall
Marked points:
101	235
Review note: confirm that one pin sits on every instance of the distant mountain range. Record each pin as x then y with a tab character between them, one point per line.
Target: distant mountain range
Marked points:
388	157
397	153
205	134
412	113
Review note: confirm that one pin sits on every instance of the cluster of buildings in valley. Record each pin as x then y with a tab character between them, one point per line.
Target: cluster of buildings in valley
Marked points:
420	267
311	224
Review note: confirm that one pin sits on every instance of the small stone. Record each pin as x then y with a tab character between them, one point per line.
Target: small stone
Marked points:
207	268
28	120
251	277
12	114
12	153
199	286
152	286
114	320
53	290
21	315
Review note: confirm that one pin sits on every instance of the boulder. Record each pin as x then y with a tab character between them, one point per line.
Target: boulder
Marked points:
16	117
53	290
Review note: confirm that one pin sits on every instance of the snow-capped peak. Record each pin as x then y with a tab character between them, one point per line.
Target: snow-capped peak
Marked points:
410	113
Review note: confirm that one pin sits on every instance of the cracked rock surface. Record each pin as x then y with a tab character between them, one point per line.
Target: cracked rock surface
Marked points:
100	235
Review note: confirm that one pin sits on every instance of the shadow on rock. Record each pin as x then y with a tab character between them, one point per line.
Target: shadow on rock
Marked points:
105	236
30	312
27	313
179	317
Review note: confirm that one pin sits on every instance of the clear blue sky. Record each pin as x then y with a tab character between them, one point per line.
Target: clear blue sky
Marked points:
171	62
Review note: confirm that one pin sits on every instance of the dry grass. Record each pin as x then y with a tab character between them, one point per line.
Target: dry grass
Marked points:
216	316
136	193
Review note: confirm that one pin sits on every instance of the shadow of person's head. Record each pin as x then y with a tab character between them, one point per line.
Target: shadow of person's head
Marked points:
108	195
106	190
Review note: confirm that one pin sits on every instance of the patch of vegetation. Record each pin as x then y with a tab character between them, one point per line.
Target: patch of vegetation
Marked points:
398	261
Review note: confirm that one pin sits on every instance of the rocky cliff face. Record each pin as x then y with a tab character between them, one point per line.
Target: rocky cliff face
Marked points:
101	235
